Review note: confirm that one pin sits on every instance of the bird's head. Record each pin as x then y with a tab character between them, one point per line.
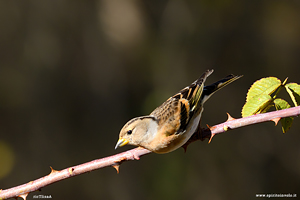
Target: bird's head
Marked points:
137	130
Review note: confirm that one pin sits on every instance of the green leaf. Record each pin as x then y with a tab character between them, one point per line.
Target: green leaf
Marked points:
281	104
256	104
294	91
286	122
264	86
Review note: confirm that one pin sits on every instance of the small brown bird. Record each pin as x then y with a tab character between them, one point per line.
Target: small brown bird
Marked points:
170	125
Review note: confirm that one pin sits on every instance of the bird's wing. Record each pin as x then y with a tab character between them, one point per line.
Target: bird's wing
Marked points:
174	114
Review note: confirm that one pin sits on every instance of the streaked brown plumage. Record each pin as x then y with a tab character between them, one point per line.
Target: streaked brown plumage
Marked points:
170	125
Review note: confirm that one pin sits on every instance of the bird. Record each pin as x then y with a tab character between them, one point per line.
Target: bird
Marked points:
172	124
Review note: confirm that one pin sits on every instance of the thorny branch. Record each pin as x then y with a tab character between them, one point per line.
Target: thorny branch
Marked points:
135	154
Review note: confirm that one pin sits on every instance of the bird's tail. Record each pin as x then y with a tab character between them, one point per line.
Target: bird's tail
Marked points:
211	89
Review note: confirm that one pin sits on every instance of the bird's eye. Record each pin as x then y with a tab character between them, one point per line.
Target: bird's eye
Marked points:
129	132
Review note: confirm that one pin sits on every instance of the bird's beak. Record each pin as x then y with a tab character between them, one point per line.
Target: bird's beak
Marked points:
121	142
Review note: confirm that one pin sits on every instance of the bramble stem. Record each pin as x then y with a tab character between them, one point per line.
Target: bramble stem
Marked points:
135	154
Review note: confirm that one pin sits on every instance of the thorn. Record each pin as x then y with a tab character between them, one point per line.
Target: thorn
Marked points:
23	195
208	126
117	167
276	120
229	117
71	169
53	171
284	82
212	135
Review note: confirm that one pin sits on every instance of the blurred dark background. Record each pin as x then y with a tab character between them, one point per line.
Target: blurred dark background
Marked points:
73	72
